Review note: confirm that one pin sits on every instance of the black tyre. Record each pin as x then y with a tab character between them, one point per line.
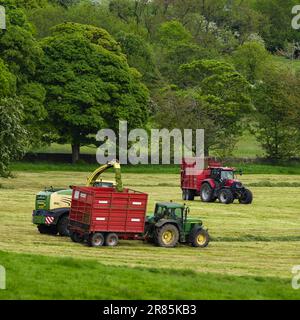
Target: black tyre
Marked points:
44	229
200	239
226	196
246	197
62	226
96	240
76	237
167	236
111	240
207	193
190	195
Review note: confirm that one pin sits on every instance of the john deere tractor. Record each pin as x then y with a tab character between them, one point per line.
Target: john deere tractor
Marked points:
171	225
51	214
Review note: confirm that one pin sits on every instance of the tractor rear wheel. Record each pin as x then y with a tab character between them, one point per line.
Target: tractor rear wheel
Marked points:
167	236
200	239
96	240
207	193
226	196
62	226
112	240
246	197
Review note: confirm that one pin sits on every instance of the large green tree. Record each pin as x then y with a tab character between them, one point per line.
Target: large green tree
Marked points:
276	98
13	135
22	54
89	85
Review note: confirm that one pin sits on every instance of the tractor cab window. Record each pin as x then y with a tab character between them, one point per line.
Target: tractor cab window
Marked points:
178	212
227	175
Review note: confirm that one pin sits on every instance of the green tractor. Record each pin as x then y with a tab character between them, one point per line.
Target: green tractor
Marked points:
170	225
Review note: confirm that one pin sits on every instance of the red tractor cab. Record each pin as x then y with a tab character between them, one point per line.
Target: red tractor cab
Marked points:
212	183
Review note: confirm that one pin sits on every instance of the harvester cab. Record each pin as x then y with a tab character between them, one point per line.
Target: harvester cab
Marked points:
170	225
52	206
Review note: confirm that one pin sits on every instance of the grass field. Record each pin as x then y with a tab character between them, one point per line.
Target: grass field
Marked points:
252	251
247	147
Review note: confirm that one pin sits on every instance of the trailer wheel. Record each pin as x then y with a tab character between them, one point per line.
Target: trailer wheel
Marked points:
246	197
207	193
62	226
226	196
190	195
200	239
112	240
167	236
96	240
183	194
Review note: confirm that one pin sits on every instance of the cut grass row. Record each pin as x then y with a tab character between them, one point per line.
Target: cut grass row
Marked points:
41	277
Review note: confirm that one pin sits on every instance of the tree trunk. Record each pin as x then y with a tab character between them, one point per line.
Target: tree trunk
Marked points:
75	152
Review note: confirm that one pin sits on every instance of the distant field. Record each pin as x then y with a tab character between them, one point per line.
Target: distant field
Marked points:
247	147
251	255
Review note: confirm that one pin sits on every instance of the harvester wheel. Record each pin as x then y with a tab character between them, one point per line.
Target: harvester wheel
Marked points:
167	236
62	226
200	239
43	229
226	196
207	193
247	197
112	240
76	237
184	194
96	240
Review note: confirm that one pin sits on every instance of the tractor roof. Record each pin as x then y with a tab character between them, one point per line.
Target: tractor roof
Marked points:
222	168
171	205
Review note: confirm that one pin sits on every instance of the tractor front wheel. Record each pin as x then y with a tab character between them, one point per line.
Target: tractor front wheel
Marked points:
200	239
226	196
62	226
96	240
167	236
246	197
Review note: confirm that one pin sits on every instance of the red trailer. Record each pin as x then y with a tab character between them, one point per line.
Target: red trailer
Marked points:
212	182
103	215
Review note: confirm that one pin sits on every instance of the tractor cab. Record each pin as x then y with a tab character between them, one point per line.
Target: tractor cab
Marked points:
168	210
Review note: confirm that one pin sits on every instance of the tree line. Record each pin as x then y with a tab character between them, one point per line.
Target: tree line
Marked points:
69	68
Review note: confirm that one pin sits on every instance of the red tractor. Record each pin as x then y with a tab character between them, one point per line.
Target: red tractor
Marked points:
212	183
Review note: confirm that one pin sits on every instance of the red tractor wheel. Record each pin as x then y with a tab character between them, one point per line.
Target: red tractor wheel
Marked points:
246	197
226	196
207	193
